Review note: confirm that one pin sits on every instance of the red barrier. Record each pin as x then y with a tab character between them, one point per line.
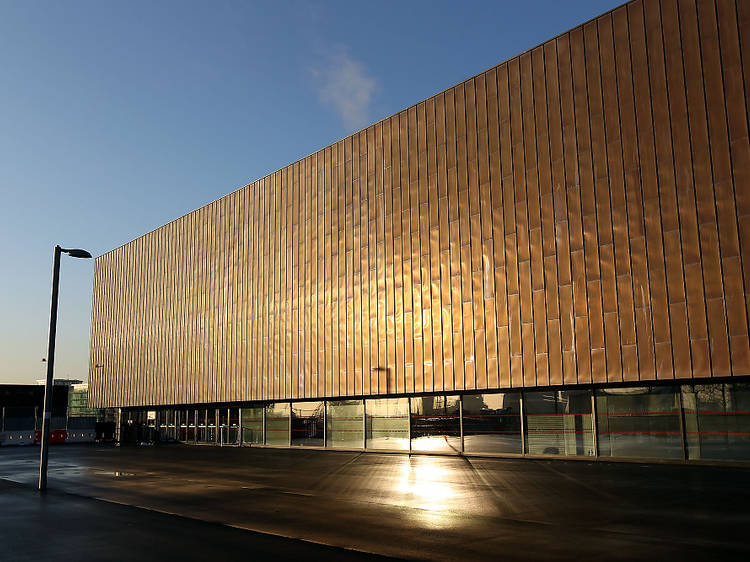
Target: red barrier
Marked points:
58	436
55	438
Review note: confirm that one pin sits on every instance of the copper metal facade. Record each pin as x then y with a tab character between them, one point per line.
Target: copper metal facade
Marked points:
577	214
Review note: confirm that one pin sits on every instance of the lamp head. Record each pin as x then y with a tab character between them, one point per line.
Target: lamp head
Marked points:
76	252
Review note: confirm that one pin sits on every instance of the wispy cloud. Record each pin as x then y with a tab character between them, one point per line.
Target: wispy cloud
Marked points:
344	84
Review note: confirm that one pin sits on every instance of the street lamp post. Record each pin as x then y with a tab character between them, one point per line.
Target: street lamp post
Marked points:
46	418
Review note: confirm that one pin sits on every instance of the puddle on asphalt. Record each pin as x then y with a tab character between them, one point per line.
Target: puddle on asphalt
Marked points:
116	474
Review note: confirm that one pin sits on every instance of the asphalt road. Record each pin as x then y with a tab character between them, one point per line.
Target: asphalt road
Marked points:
419	507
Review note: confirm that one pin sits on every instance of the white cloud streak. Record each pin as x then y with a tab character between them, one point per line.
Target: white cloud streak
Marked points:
344	85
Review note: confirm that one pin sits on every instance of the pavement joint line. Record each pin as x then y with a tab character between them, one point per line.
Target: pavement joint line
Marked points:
198	519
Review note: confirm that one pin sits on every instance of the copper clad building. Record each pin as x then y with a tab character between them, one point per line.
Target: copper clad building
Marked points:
550	258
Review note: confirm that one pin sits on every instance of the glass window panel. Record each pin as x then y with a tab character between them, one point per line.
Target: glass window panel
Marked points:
307	424
252	425
277	424
211	435
717	421
435	424
387	423
344	423
559	422
191	429
201	424
234	425
639	422
183	423
162	433
492	423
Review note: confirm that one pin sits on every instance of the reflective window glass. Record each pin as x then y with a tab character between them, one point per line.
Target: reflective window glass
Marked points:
234	424
307	424
201	423
559	422
435	424
160	427
223	425
183	422
639	422
717	421
387	423
191	429
277	423
492	423
252	425
211	435
344	424
151	416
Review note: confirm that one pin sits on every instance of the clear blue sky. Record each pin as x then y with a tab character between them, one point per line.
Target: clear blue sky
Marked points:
116	118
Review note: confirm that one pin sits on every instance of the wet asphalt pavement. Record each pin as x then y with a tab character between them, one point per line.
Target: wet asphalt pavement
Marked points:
178	499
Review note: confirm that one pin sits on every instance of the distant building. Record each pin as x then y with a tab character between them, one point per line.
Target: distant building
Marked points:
73	420
60	382
551	258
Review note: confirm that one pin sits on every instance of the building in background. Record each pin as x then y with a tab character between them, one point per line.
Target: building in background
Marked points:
550	258
73	421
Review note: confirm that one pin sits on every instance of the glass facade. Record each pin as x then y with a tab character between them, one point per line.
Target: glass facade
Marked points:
672	422
307	424
559	422
252	425
345	424
436	423
387	423
277	423
492	423
639	422
717	421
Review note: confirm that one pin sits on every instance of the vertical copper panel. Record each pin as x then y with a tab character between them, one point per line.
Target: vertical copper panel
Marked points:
398	280
737	127
612	68
722	94
589	319
330	273
574	321
512	376
695	353
433	249
673	263
557	266
633	191
608	357
338	166
413	218
703	181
